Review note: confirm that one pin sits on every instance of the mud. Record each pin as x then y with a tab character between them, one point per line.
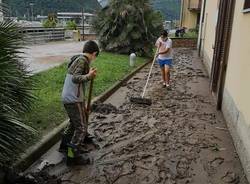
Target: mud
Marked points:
179	139
102	108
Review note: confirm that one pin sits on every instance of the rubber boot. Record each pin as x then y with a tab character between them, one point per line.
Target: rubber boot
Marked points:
83	149
65	140
74	157
88	138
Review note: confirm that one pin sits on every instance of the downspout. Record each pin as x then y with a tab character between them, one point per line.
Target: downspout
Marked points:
182	11
200	37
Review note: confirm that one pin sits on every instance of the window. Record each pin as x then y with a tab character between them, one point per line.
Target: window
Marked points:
246	6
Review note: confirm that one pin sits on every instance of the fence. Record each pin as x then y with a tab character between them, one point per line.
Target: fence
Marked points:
34	35
185	42
41	35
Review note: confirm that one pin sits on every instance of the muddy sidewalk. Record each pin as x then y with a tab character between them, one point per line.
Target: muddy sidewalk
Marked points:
179	139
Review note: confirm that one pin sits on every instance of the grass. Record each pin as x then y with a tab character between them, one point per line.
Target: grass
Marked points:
188	34
47	111
191	34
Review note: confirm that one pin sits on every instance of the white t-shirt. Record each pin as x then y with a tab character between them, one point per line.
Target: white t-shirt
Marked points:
164	45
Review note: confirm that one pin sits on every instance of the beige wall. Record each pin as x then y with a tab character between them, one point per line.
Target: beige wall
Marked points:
236	97
193	3
237	85
238	71
188	18
209	29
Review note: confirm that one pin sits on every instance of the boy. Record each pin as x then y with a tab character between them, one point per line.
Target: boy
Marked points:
79	72
165	56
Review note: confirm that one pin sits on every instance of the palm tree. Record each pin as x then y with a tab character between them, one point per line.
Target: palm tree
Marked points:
15	92
128	25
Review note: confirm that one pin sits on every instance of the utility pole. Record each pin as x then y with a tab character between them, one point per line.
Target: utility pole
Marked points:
82	23
28	14
31	7
1	14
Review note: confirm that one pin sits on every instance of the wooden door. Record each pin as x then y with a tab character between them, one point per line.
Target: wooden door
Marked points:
221	48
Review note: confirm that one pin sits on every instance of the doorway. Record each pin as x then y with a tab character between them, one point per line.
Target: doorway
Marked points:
221	49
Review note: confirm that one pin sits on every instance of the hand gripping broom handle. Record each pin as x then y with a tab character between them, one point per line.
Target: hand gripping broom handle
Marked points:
145	87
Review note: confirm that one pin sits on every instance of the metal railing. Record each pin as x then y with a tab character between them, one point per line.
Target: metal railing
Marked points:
40	34
34	35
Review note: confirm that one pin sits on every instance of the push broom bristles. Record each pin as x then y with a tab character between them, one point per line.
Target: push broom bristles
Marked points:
139	100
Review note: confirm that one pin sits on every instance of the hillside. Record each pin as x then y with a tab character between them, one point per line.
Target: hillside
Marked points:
21	8
169	8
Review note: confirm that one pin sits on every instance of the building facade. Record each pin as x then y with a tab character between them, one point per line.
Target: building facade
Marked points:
190	13
64	17
224	45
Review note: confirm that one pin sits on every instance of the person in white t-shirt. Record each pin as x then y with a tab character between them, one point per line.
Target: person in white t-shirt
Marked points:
165	56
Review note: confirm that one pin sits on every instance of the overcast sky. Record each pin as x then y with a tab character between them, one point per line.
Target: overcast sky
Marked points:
103	2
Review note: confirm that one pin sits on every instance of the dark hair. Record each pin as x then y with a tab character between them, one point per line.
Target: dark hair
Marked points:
164	33
91	47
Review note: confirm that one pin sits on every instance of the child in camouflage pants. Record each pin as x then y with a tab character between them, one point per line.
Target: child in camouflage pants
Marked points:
79	73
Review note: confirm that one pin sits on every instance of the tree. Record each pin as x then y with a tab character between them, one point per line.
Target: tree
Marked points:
71	25
51	21
15	93
128	25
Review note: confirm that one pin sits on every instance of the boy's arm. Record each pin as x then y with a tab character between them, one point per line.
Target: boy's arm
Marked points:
157	43
168	47
164	51
78	77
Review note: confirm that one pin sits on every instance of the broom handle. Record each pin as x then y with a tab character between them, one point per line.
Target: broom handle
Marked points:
145	87
89	98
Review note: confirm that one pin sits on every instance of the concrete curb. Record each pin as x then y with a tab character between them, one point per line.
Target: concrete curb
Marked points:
36	151
104	96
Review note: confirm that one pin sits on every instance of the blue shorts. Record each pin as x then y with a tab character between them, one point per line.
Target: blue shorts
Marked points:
163	62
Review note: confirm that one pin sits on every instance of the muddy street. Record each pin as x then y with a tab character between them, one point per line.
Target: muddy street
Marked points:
179	139
45	56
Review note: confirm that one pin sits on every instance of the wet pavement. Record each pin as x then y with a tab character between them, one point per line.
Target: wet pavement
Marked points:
179	139
45	56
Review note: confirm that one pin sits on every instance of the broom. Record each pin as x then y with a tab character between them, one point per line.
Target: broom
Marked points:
142	100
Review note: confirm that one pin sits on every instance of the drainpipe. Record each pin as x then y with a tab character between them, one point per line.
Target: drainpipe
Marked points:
182	12
200	37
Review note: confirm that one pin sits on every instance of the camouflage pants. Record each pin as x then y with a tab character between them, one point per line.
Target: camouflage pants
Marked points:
77	129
